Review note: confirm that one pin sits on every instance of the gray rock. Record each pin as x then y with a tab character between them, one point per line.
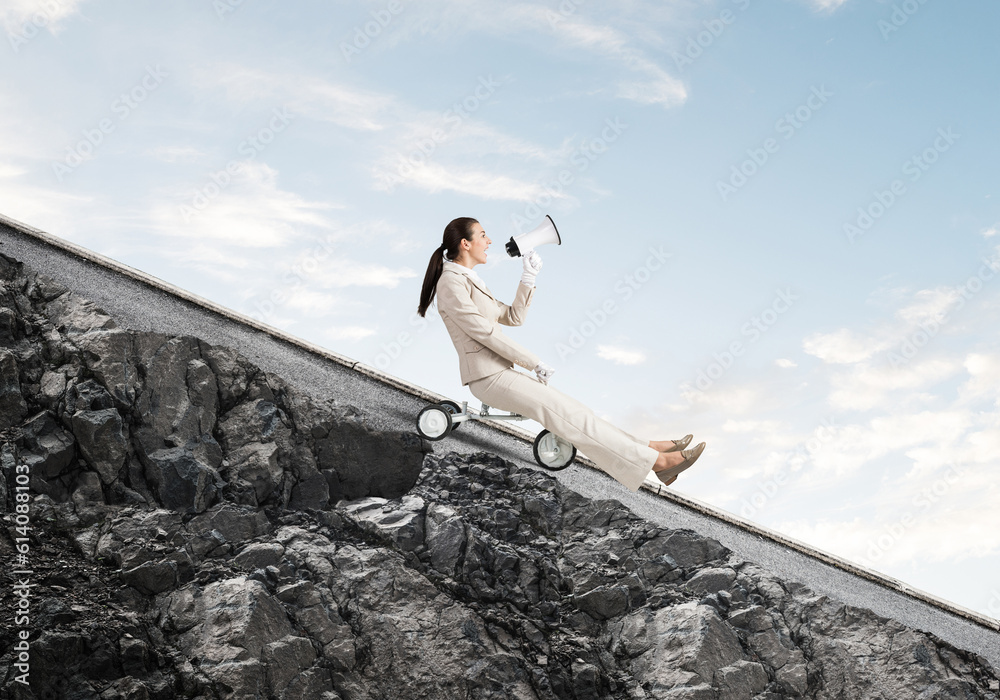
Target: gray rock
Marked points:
101	437
234	524
711	580
685	547
741	681
404	526
236	621
179	399
259	555
255	465
12	405
152	577
73	315
604	602
87	395
445	537
684	645
753	619
182	480
88	490
49	448
392	460
287	659
9	330
113	357
310	493
52	387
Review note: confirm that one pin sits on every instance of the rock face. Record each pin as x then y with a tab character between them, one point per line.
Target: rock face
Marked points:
172	421
201	531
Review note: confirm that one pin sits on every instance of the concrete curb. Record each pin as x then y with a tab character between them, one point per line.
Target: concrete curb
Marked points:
650	484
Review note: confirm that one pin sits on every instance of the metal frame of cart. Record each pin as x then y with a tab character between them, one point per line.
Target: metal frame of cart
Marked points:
437	421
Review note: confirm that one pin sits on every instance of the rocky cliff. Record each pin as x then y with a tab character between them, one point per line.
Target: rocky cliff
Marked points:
196	528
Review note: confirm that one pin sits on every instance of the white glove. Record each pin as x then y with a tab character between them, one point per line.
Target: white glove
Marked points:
544	372
532	266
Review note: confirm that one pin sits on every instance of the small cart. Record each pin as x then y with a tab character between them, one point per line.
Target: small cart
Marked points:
437	421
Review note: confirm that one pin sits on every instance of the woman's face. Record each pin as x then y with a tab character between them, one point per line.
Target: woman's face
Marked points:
479	243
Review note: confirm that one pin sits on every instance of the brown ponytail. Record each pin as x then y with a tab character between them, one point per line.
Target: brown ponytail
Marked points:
454	232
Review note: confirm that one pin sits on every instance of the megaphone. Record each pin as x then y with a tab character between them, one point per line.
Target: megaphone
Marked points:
546	232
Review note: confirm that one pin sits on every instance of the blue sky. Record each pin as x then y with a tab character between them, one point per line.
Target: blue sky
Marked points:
779	219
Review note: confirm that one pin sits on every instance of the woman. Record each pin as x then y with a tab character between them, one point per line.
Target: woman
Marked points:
486	358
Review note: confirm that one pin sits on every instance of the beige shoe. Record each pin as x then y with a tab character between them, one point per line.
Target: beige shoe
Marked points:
669	475
681	444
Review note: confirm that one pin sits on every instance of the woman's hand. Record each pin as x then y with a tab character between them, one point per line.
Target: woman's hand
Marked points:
532	266
544	372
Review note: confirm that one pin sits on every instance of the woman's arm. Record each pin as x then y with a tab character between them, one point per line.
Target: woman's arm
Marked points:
454	300
514	315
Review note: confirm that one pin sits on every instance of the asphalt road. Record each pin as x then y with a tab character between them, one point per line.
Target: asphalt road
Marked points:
135	304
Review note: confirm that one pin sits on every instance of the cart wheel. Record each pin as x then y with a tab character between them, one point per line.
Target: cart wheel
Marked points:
434	422
455	409
553	452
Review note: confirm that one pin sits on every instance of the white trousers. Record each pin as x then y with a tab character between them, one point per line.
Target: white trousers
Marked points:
623	456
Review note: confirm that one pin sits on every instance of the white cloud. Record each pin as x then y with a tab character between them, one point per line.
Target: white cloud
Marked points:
315	304
52	211
251	211
572	32
621	356
828	5
732	400
11	170
939	517
436	177
929	305
984	377
414	151
843	346
992	231
785	364
341	272
48	14
865	386
303	96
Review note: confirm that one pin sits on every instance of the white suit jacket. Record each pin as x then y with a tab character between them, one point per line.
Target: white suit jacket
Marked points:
471	313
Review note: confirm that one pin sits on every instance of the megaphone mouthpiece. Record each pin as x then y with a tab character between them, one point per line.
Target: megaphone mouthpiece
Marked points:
523	244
